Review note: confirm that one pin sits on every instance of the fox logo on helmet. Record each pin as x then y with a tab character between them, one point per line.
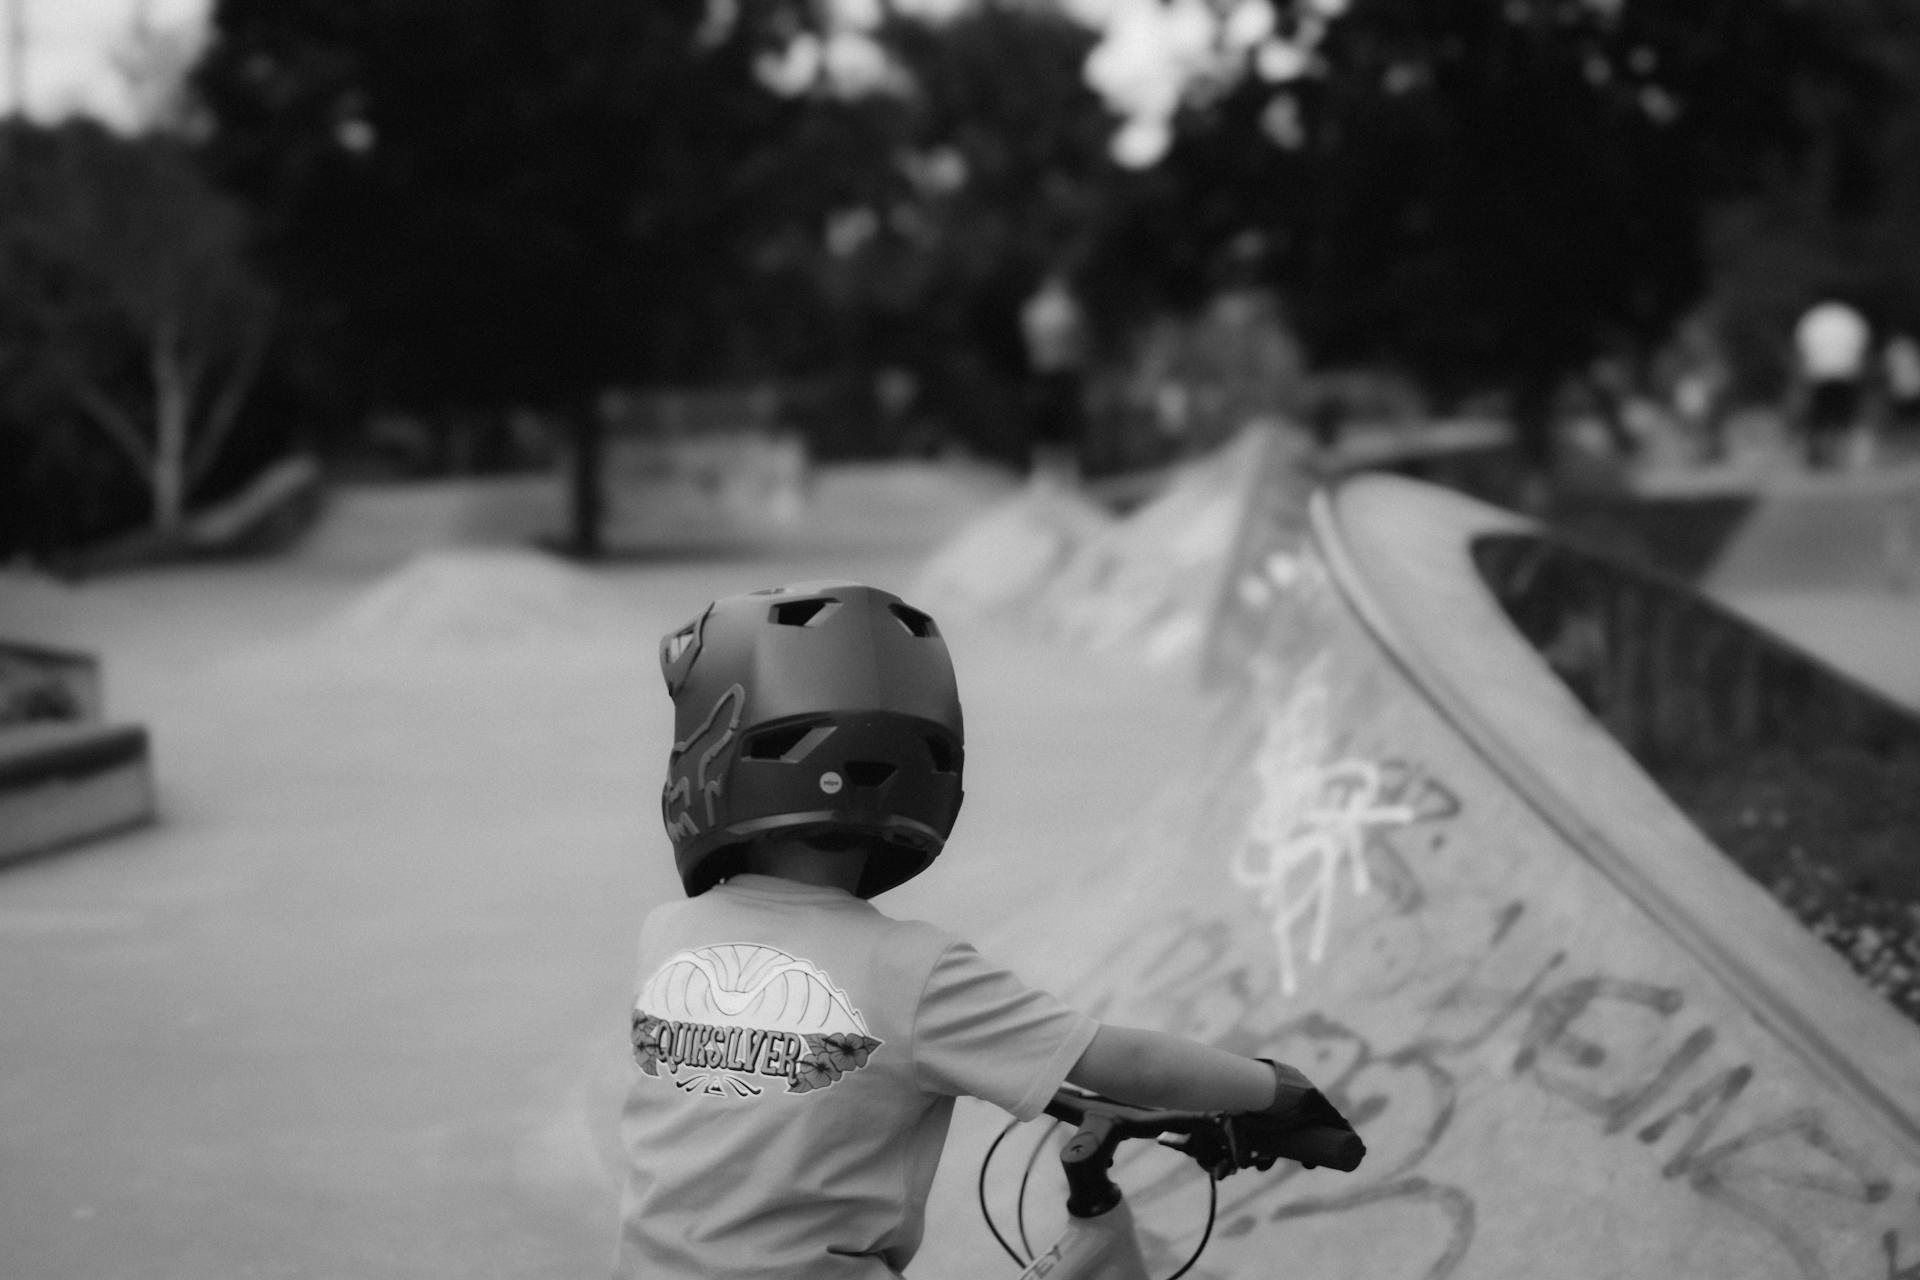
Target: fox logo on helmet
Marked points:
726	1020
699	780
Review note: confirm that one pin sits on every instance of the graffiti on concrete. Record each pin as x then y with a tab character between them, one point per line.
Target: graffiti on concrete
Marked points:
1309	825
1316	822
1779	1171
1890	1244
1242	634
1623	1057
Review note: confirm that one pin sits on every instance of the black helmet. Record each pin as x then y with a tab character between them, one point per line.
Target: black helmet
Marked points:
819	708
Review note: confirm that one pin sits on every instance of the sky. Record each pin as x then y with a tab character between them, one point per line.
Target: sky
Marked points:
1151	48
70	46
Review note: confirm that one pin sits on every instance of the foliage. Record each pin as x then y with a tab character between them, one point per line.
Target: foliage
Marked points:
1846	224
995	174
479	204
1495	194
491	202
126	309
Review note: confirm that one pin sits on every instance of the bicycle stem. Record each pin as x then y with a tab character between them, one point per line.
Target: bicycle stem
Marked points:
1086	1160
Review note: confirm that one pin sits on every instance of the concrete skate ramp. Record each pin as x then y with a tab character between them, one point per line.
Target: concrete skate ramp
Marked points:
1142	588
1580	1040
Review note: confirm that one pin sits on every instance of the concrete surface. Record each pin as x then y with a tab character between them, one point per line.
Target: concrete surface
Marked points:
356	1007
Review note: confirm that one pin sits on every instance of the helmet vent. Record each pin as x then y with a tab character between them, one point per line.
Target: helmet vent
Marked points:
677	644
788	744
804	613
867	773
942	752
916	622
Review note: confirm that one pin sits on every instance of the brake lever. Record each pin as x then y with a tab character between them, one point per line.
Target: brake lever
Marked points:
1210	1148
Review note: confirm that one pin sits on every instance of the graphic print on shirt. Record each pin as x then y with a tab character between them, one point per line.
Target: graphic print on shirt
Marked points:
726	1020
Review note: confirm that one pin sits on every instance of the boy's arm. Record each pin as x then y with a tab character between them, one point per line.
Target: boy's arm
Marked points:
1152	1069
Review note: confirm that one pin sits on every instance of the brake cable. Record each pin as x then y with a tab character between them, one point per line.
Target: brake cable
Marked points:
1020	1206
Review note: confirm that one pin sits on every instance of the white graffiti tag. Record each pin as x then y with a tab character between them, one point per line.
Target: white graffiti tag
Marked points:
1310	821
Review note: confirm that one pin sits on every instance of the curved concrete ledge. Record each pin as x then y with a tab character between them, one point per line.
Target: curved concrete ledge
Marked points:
1403	555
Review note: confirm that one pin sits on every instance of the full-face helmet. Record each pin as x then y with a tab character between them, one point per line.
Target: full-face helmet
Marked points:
823	708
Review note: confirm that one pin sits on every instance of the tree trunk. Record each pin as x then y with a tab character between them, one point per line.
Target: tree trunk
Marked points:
172	406
586	480
217	422
1534	392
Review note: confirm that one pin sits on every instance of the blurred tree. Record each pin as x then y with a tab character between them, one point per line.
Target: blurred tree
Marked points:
996	173
153	60
1493	194
488	202
480	204
1846	222
125	303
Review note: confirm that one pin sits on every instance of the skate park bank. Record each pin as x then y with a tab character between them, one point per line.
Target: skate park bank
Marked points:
1494	833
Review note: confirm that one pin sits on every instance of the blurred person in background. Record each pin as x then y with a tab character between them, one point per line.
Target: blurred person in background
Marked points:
1900	374
1831	344
1055	334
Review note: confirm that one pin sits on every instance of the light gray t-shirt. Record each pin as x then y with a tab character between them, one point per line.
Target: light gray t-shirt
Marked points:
797	1055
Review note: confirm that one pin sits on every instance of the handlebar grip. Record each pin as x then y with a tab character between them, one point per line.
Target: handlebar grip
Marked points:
1335	1148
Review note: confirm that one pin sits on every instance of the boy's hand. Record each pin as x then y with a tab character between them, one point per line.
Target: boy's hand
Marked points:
1300	1125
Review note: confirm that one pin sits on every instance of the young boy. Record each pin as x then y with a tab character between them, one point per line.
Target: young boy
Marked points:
799	1052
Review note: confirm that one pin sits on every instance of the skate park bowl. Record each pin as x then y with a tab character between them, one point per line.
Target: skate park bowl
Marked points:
65	775
1795	530
1452	851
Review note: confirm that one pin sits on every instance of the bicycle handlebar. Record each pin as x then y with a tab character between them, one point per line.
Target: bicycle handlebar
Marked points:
1312	1133
1205	1137
1318	1145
